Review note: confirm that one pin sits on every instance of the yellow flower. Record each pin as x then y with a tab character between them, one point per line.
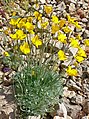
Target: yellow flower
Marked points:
70	19
14	36
25	48
74	43
44	25
55	28
30	19
86	42
55	19
48	9
81	53
21	23
66	29
36	41
33	73
7	31
19	35
71	71
37	15
62	55
76	63
29	26
6	54
77	25
14	21
79	37
62	23
62	38
79	58
14	13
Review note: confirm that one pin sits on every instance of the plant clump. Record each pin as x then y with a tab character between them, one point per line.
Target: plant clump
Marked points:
39	47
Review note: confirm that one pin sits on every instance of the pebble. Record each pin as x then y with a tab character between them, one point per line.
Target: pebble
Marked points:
33	117
57	117
62	6
79	99
87	1
86	34
1	74
86	117
73	1
72	7
84	20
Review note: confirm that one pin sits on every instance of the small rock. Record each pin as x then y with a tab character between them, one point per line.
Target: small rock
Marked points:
72	110
1	74
87	1
80	12
57	117
79	99
3	115
42	1
87	50
73	50
72	94
62	6
73	1
86	117
68	117
85	6
33	117
72	7
86	33
84	20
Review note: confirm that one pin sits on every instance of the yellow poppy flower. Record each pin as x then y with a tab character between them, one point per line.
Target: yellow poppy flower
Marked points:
62	23
77	25
75	63
74	43
79	58
25	48
48	9
71	71
54	28
7	31
6	54
62	38
55	19
78	37
81	53
14	13
37	15
62	55
14	36
86	42
21	23
70	19
29	26
44	25
14	21
36	41
19	35
30	19
66	29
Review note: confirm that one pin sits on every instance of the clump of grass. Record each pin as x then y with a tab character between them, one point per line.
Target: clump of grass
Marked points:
37	89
